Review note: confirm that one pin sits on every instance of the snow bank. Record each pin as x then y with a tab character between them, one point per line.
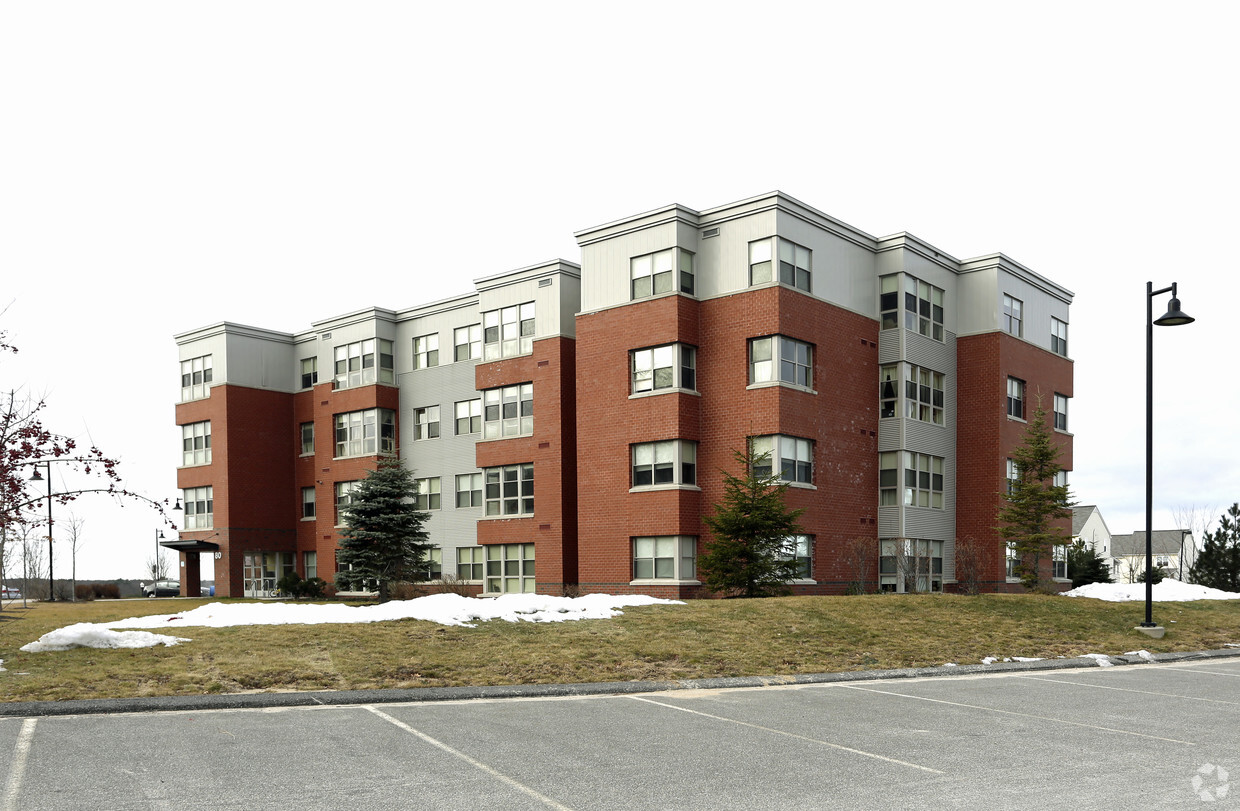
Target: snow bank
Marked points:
1168	591
445	609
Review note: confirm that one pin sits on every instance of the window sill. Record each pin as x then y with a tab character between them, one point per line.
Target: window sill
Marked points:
801	485
783	384
640	394
200	464
1017	419
655	488
803	582
306	455
656	581
504	517
669	293
307	518
501	438
1062	431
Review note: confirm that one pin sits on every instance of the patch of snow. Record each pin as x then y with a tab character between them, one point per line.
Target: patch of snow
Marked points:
1168	591
1	665
1026	659
950	664
990	660
445	609
1101	658
1144	654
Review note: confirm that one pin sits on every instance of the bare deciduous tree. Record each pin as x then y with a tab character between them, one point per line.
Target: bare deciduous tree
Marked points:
969	564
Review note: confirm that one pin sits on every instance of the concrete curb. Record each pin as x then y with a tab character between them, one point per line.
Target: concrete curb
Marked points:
430	694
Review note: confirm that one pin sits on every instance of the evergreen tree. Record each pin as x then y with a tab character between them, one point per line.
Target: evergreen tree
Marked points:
383	539
1034	502
750	553
1084	566
1218	563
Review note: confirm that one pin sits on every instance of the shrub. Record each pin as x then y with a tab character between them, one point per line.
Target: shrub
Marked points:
107	591
314	588
290	584
83	591
293	585
451	584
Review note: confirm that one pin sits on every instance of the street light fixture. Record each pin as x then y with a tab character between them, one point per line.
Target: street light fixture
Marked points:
1174	317
51	579
159	536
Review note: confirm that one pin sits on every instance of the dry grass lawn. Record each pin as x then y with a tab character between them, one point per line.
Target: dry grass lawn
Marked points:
703	639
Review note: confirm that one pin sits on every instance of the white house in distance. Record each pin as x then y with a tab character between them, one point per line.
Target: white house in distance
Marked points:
1174	550
1088	526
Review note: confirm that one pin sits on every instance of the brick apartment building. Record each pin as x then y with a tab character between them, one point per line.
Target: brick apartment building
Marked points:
576	417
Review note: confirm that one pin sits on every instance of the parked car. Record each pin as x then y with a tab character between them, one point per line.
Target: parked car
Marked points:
162	588
7	593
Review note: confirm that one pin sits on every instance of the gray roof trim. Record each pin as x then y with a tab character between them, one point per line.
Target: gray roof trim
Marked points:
230	328
638	222
1000	261
550	267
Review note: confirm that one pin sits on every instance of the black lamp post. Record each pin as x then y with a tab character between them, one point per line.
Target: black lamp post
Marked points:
159	536
51	579
1174	317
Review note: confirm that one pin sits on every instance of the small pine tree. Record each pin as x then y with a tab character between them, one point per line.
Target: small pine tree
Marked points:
1084	566
749	554
383	539
1218	563
1034	502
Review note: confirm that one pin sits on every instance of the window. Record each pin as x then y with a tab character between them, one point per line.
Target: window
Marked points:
469	563
196	443
356	363
910	565
665	557
794	263
310	564
782	359
799	548
889	301
673	461
199	507
672	366
1011	560
468	417
428	494
432	567
1061	412
1060	479
509	490
1012	475
508	332
1059	337
923	308
510	568
195	377
344	497
307	438
426	422
309	372
1016	398
469	490
307	502
361	433
508	411
923	393
467	343
1059	562
1012	317
923	479
794	456
656	273
426	351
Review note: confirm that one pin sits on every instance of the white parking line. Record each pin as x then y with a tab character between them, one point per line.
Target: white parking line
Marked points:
21	750
1199	670
1019	714
791	735
1129	690
524	789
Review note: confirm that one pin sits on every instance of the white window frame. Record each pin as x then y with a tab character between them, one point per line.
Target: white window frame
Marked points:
468	490
367	432
508	491
795	263
471	563
428	496
426	351
1016	398
663	368
196	376
309	371
923	393
781	360
905	561
668	463
307	439
801	549
783	449
656	274
508	332
911	479
467	343
1061	412
308	506
508	411
199	507
196	443
470	413
510	569
1059	337
1059	562
362	363
1013	316
1011	474
664	558
310	564
426	422
344	497
923	308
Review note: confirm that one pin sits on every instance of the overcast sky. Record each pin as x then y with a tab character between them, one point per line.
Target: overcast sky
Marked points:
168	165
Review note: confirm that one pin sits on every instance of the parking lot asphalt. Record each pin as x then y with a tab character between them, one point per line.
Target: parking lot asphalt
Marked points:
1021	735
